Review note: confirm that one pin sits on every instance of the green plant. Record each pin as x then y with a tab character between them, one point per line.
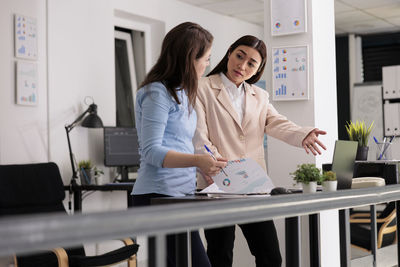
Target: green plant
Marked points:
97	172
329	176
85	164
359	132
306	173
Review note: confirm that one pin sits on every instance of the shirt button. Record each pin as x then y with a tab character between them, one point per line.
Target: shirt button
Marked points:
241	137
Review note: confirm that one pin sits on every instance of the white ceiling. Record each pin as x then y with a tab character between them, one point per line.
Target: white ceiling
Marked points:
351	16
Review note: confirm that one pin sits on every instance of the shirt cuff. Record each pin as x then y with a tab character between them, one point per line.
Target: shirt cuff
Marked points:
157	159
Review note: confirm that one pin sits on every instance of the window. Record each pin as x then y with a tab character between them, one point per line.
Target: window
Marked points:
129	73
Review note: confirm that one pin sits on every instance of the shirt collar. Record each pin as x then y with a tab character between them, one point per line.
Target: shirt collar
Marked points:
229	84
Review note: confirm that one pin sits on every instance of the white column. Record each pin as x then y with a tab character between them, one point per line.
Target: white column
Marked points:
319	111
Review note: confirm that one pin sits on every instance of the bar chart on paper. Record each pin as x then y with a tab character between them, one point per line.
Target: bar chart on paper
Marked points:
290	73
281	90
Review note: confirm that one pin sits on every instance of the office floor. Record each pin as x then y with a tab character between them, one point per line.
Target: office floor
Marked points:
387	257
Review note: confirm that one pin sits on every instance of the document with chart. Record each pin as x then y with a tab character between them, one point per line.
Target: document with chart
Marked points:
243	176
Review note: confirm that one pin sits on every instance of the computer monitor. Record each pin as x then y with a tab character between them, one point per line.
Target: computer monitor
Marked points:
121	149
343	162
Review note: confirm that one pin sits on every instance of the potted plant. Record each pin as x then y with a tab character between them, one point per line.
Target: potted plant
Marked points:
308	175
329	182
88	171
360	132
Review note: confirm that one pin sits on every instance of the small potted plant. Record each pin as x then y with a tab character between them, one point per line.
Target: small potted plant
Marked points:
329	182
359	132
85	170
88	171
308	175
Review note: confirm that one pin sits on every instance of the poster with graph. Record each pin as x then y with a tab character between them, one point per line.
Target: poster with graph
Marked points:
288	17
25	37
290	73
27	79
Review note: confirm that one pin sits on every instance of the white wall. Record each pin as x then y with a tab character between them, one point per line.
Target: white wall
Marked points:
320	110
225	29
23	131
81	63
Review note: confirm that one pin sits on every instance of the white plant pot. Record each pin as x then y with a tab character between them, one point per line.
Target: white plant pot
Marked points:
329	186
98	180
311	187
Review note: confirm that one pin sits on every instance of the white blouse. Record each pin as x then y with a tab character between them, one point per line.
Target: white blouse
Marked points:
236	95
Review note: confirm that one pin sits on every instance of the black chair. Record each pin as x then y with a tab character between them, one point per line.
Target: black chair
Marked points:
38	188
360	228
360	222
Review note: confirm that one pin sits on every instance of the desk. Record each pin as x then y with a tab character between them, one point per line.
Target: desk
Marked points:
77	190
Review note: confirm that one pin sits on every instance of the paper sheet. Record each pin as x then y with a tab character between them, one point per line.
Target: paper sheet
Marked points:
244	176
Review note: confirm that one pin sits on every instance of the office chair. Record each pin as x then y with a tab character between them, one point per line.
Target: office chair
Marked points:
360	228
38	188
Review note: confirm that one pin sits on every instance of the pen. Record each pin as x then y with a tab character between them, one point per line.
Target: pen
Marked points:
382	148
212	155
376	141
385	147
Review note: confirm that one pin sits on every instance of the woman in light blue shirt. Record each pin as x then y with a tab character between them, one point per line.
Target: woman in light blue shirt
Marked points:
166	122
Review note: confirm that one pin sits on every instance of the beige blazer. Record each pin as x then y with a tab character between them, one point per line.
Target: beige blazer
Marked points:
218	125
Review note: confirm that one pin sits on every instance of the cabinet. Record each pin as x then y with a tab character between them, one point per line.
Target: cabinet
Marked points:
391	82
392	118
391	97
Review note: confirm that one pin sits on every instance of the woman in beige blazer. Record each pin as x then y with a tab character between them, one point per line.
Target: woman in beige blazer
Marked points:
232	117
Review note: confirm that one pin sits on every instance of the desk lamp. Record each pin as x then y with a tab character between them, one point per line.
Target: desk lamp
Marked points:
90	121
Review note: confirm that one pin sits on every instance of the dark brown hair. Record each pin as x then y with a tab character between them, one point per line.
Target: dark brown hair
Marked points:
175	67
250	41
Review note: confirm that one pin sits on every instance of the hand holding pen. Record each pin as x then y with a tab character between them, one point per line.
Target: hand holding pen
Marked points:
221	160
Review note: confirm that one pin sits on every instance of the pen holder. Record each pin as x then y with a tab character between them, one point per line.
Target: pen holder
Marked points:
384	151
86	176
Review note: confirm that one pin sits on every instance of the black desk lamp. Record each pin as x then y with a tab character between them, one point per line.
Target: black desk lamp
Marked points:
90	121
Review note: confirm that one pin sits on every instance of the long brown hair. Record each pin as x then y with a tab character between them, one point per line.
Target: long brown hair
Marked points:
250	41
175	67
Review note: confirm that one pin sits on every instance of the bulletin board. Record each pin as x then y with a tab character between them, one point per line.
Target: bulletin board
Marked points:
25	37
27	79
290	73
288	17
367	105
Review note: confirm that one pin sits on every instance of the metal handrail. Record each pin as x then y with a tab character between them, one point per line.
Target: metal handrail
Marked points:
26	233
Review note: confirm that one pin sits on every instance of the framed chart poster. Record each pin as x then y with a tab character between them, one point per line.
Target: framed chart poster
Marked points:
27	79
290	73
25	37
288	17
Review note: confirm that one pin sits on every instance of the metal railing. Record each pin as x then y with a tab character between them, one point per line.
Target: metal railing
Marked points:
26	233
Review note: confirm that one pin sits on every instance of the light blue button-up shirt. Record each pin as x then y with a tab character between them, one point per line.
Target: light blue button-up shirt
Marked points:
163	125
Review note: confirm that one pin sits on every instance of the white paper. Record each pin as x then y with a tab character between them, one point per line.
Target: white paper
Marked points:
290	73
213	188
244	176
25	37
288	17
27	83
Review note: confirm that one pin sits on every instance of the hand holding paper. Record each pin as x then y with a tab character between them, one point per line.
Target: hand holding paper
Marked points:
243	176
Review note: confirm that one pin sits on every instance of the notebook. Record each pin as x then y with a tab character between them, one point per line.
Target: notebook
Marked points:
344	157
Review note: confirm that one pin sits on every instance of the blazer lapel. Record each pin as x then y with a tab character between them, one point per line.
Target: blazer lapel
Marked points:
223	98
250	105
